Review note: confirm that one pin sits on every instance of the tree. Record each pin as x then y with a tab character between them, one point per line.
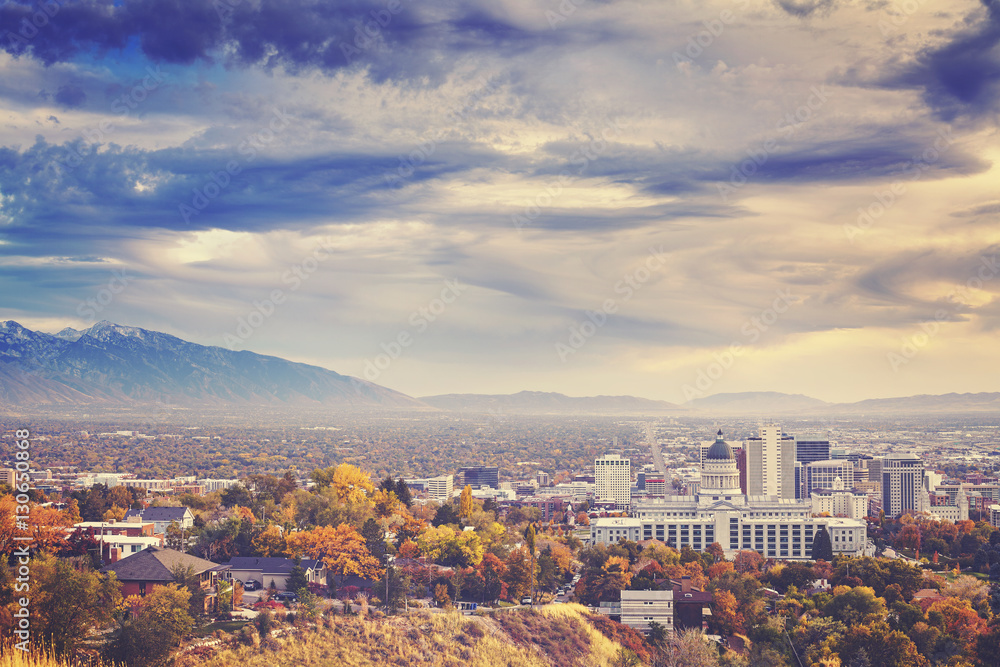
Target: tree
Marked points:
67	603
518	574
445	515
446	546
403	492
858	605
153	626
236	494
494	571
350	484
465	504
748	562
529	542
297	579
392	588
270	543
726	618
342	550
116	513
822	548
375	540
189	580
878	646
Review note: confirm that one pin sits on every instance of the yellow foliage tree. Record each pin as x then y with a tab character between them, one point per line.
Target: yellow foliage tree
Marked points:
447	546
270	543
351	484
465	504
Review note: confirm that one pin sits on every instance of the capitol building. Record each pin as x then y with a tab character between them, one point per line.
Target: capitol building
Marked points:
719	511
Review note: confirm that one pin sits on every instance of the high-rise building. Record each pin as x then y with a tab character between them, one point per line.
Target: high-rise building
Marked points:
823	474
771	463
479	477
807	451
613	479
902	481
542	478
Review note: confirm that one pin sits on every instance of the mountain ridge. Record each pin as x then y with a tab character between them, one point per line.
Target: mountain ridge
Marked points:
110	363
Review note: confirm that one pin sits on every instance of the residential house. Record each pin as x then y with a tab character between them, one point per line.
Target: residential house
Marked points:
267	571
162	517
640	608
154	566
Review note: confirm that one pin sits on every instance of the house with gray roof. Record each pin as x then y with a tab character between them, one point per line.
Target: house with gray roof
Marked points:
155	566
162	517
274	570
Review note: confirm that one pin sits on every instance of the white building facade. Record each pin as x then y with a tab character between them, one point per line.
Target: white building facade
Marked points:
613	480
780	528
640	608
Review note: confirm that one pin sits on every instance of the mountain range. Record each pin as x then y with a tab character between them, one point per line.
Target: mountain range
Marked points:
114	365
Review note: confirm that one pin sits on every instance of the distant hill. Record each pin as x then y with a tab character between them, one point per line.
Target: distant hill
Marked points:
541	402
923	403
110	364
757	402
766	403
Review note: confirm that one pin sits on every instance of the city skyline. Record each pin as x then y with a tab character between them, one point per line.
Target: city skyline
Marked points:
593	199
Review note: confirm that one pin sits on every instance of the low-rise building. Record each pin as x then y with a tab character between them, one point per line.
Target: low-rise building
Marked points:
608	530
640	608
268	571
162	517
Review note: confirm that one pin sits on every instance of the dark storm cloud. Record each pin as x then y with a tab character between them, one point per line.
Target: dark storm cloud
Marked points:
294	34
961	78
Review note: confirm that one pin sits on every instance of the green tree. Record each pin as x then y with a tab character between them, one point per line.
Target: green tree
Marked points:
375	540
529	542
403	493
392	588
445	515
186	577
822	548
297	577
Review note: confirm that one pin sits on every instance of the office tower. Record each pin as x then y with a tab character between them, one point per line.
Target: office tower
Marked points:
902	480
823	474
808	451
479	477
542	478
613	480
441	488
771	463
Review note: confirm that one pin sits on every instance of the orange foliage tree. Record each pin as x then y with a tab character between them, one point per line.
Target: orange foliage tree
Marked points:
342	550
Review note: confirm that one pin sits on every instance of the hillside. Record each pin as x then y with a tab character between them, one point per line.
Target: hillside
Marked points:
110	364
556	636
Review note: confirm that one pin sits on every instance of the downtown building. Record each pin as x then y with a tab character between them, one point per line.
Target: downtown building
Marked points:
902	483
613	481
774	526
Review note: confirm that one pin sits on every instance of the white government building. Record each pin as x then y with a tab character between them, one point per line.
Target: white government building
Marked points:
781	528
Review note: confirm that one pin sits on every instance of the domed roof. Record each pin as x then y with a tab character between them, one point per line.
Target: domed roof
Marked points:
720	450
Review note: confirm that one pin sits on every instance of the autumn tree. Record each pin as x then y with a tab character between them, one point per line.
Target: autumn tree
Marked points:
748	562
465	503
726	618
153	626
494	573
342	550
518	573
68	603
351	484
446	546
270	543
880	646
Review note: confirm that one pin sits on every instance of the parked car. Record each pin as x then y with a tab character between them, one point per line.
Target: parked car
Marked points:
286	596
526	599
251	585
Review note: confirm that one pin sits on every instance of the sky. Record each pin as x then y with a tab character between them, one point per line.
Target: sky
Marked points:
667	199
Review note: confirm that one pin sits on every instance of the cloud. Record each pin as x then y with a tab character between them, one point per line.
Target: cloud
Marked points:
961	78
71	96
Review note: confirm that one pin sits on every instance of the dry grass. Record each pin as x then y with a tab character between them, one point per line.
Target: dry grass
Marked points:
556	636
